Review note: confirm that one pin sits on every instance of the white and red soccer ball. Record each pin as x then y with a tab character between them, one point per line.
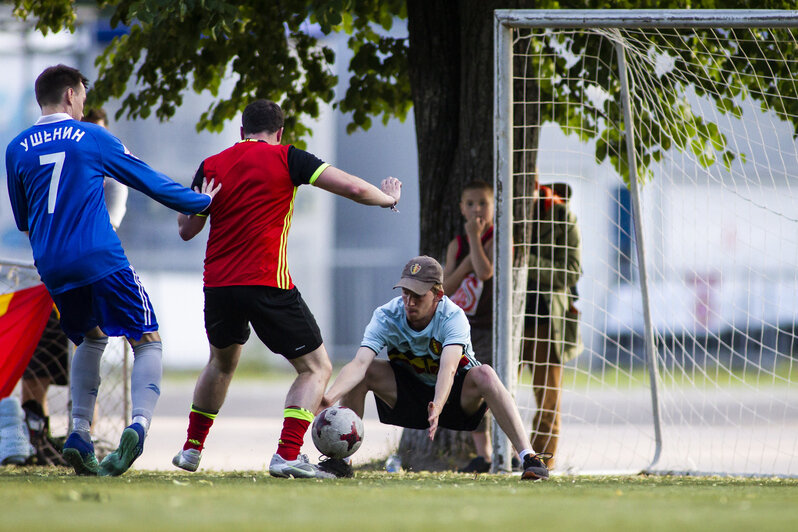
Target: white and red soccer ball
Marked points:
337	432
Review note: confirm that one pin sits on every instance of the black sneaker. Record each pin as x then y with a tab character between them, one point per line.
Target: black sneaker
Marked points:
477	465
338	467
48	452
534	468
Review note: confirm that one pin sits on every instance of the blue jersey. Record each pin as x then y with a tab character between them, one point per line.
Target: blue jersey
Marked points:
55	182
420	351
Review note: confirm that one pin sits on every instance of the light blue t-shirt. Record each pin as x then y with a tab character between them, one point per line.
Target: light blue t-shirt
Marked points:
55	182
420	351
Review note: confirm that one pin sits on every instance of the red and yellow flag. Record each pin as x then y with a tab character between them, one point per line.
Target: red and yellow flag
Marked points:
23	315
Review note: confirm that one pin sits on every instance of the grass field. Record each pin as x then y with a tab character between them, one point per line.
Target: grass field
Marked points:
49	499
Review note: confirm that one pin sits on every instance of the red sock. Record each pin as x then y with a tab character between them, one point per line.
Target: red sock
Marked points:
199	424
295	425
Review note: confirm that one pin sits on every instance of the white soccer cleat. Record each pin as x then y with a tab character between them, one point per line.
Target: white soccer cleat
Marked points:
15	446
299	468
187	459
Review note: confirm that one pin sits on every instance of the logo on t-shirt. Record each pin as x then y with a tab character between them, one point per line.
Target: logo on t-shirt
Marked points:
435	346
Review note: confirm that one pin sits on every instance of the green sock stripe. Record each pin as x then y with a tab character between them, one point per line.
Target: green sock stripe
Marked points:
299	413
209	415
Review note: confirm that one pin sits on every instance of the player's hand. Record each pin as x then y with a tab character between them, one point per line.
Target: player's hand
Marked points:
208	188
434	412
476	226
393	188
325	403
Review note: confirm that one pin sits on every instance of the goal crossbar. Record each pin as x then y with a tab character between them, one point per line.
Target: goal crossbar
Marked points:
645	18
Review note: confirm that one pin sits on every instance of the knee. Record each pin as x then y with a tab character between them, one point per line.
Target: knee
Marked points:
223	363
484	378
320	367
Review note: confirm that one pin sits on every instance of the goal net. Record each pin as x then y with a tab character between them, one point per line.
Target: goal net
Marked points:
665	231
113	406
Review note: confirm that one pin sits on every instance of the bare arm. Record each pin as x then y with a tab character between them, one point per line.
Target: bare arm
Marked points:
350	376
450	358
352	187
453	274
481	259
190	225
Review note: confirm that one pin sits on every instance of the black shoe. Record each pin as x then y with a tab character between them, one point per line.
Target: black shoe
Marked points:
534	468
338	467
515	464
477	465
48	452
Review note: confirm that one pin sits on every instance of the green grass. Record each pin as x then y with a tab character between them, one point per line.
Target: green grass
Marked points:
52	499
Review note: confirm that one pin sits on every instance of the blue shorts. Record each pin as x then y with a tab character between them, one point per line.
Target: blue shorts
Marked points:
116	303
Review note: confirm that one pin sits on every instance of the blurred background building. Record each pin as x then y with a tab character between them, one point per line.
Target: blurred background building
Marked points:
343	256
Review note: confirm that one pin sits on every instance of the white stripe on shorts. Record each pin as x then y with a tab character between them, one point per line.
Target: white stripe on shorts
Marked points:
145	301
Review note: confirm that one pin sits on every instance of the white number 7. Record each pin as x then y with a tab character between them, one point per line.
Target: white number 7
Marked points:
58	160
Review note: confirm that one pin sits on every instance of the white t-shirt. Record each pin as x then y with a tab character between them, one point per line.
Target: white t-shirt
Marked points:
420	351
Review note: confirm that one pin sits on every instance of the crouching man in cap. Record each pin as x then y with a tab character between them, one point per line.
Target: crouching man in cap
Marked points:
431	377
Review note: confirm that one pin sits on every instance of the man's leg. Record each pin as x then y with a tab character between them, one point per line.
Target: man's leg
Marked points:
209	394
546	380
482	343
145	378
145	389
303	398
35	389
84	383
482	383
379	379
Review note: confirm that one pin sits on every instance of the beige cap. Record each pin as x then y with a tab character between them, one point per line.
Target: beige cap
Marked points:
420	275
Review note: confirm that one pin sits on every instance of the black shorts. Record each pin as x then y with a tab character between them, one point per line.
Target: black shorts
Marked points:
51	354
281	318
413	397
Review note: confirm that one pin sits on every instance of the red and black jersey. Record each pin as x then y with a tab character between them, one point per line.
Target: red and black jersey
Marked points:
251	215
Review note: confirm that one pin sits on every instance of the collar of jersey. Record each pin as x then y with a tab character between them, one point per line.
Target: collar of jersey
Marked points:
55	117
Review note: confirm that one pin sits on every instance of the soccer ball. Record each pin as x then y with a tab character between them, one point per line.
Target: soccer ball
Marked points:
337	432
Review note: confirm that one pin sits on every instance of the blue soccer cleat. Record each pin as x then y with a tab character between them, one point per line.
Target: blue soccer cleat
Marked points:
131	444
80	455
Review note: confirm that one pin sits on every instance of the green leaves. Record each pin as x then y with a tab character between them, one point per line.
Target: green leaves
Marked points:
239	51
51	15
683	85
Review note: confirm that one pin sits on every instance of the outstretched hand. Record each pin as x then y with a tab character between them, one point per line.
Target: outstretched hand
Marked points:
434	412
393	188
208	188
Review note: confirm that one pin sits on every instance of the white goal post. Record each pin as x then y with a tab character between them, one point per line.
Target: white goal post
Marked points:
666	233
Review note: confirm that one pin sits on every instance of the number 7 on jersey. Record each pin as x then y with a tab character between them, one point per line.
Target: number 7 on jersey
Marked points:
58	160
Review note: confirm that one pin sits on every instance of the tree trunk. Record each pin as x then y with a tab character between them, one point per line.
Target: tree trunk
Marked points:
451	74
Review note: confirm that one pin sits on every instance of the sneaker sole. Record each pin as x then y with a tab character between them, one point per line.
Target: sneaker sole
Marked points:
533	475
120	460
186	466
73	458
289	472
